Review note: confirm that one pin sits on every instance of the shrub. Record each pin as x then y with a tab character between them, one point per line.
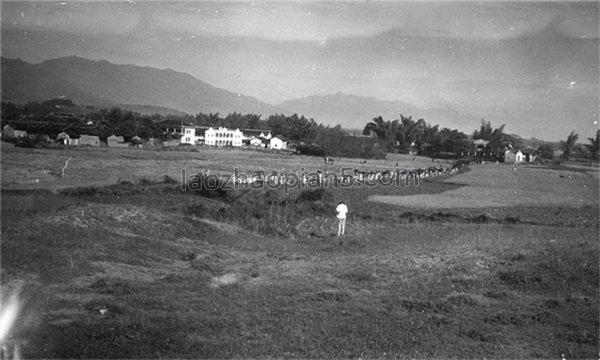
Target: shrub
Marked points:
207	186
188	255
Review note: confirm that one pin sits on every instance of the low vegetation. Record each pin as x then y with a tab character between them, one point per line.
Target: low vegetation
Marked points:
139	268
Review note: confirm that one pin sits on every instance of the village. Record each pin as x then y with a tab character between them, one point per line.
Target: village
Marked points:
73	132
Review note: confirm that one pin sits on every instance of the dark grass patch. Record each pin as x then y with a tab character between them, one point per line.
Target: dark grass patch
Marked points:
209	264
441	216
464	283
108	338
481	219
334	296
512	220
585	337
358	275
496	294
484	335
31	202
419	306
188	255
461	300
50	253
543	317
518	278
517	257
111	287
552	304
501	318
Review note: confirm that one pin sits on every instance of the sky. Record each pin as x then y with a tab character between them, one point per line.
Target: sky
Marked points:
533	66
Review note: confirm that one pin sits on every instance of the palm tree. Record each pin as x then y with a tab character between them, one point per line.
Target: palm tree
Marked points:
403	131
594	147
568	145
498	140
379	126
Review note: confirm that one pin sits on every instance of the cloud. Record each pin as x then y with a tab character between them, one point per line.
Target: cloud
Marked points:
305	20
79	18
322	21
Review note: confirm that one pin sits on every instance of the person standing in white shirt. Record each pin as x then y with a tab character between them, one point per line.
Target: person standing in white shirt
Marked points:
341	210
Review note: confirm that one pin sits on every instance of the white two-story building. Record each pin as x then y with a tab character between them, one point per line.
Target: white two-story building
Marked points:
191	135
223	137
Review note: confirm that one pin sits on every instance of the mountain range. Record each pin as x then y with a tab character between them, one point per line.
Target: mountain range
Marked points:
146	89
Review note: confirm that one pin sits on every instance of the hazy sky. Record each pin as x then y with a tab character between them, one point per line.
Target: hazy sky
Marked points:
530	65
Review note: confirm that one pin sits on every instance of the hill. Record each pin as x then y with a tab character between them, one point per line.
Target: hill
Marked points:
153	91
101	83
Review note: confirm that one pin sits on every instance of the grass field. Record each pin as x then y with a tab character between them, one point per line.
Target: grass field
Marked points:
112	261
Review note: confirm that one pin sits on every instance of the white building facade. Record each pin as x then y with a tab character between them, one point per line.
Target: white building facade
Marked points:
223	137
189	136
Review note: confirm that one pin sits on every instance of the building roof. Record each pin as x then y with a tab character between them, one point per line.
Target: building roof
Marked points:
173	123
262	140
255	132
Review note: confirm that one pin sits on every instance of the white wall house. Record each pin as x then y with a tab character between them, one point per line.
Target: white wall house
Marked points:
513	157
190	136
278	143
223	137
519	157
261	142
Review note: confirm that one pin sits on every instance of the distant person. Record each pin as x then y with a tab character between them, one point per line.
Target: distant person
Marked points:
341	210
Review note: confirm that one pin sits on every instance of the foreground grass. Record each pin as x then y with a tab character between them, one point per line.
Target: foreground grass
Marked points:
141	270
174	285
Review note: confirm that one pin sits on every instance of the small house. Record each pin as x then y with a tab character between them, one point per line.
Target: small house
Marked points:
63	138
136	141
278	143
89	140
117	141
513	156
529	154
259	142
9	132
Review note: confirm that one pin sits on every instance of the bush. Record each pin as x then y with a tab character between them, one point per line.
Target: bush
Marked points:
319	194
266	213
207	186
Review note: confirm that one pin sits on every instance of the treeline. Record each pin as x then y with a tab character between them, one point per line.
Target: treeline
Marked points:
406	134
310	137
572	150
382	136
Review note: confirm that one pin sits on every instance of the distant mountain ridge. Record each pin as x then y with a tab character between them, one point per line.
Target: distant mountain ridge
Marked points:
101	83
150	90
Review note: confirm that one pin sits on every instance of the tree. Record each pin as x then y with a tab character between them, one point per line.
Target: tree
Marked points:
568	145
379	126
546	151
594	149
498	140
10	111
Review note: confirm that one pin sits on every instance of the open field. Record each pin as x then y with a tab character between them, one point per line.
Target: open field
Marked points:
115	262
524	185
41	168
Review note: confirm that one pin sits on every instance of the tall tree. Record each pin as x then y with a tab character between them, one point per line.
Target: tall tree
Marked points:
498	140
594	148
379	126
568	145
